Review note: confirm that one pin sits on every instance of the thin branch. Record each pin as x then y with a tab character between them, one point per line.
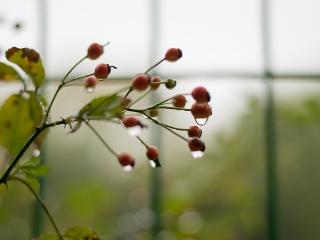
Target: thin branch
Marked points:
153	66
140	139
174	108
101	139
40	201
139	98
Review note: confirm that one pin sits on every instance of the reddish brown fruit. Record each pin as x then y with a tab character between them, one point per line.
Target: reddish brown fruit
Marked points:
125	159
152	153
201	95
196	144
131	122
179	101
102	71
90	82
95	50
141	82
155	83
173	54
201	110
194	131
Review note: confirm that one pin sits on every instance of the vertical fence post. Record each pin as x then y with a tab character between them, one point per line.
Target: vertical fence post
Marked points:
270	129
155	173
37	216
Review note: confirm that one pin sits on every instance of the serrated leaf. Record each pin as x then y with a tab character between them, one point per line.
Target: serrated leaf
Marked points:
18	118
8	73
81	233
105	107
29	61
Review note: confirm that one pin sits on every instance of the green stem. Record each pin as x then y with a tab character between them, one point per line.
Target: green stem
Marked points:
78	78
139	98
153	66
17	158
42	204
101	139
175	108
140	139
60	87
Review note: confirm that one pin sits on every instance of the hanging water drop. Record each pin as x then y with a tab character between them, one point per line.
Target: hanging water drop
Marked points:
197	154
201	121
90	89
127	168
152	163
36	152
135	130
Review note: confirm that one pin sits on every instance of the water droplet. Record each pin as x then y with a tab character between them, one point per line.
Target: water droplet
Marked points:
135	130
90	89
197	154
36	152
201	121
152	163
127	168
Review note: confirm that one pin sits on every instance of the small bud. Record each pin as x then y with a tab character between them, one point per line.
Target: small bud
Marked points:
170	84
90	83
155	82
133	125
194	131
141	82
197	147
153	112
95	50
126	161
102	71
173	54
201	112
179	101
201	95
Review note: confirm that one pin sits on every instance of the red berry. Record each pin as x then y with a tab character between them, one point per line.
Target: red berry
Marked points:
125	159
90	81
131	122
95	50
152	153
194	131
141	82
173	54
179	101
155	83
196	144
201	95
201	110
102	71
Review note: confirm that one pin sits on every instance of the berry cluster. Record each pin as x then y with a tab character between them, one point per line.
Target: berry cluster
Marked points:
201	110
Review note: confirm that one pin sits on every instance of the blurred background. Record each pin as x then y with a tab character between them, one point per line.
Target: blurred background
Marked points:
259	176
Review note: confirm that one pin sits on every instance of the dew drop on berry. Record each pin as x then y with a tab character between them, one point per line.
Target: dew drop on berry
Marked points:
197	154
90	89
135	130
127	168
152	163
201	121
36	152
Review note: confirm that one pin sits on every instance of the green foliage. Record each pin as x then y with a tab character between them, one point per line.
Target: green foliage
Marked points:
29	61
19	116
8	73
104	108
74	233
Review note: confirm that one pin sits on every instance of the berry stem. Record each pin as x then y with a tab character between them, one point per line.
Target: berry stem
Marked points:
174	108
60	87
128	92
101	139
78	78
153	66
164	101
40	201
140	139
139	98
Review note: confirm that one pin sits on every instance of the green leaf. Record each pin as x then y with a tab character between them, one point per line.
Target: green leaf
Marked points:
18	118
81	233
49	237
8	73
105	108
29	61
